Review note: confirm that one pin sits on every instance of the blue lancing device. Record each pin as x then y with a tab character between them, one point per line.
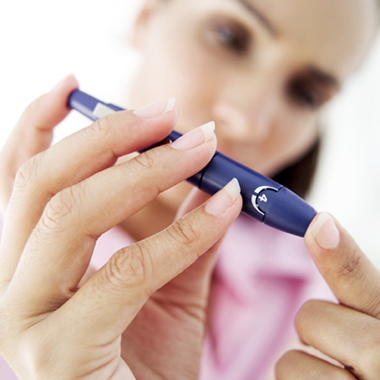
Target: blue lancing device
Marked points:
264	199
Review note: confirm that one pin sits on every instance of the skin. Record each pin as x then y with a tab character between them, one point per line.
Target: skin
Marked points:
251	77
259	123
124	321
89	315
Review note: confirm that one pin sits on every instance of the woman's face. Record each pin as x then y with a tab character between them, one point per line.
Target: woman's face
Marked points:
261	69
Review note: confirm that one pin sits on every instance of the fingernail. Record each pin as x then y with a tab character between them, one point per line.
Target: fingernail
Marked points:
62	81
195	137
326	232
156	109
223	199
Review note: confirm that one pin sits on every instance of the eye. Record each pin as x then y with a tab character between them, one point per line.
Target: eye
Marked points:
231	36
305	93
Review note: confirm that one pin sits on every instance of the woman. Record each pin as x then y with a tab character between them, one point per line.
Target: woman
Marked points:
263	71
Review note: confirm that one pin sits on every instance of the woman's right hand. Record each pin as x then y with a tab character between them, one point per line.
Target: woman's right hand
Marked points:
141	314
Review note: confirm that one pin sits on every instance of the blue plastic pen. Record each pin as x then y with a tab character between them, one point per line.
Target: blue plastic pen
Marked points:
264	199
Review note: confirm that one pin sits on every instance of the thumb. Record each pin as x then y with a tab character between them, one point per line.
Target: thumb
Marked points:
354	280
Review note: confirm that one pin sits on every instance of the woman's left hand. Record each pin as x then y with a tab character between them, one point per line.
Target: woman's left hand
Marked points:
348	332
144	311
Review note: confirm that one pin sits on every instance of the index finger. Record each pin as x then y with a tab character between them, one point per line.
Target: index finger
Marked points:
351	276
115	294
70	161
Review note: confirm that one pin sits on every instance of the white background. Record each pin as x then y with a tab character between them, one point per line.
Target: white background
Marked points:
42	41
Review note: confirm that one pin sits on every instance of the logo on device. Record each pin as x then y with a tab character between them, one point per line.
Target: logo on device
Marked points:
260	197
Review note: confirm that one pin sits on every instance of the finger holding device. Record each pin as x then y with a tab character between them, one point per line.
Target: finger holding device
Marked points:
263	199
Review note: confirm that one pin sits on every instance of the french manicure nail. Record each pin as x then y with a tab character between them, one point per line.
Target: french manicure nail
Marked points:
156	109
326	232
195	137
223	199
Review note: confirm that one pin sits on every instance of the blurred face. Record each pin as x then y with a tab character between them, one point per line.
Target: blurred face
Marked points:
261	69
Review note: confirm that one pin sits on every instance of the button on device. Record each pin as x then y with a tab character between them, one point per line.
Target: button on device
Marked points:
262	197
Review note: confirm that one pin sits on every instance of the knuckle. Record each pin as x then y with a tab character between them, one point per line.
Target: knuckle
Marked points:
183	232
146	160
128	268
59	208
352	265
26	175
27	180
20	186
99	129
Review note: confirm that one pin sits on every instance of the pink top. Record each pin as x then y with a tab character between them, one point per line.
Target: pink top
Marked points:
262	278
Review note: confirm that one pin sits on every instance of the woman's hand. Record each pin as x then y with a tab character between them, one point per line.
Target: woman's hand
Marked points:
143	313
33	133
348	332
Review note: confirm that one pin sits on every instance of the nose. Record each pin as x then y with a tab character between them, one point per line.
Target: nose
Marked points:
245	108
